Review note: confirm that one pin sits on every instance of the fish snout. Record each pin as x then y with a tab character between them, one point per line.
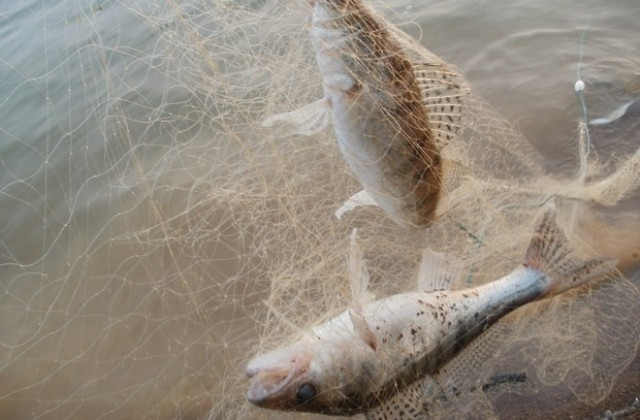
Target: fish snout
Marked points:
269	388
273	377
257	394
251	371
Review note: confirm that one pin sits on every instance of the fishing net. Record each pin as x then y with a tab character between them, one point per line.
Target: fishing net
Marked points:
157	236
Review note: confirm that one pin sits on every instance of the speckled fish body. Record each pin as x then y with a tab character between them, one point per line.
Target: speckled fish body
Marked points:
415	334
379	119
368	355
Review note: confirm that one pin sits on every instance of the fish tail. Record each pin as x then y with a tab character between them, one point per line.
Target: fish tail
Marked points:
550	253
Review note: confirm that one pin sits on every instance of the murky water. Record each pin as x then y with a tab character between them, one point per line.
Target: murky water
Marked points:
118	293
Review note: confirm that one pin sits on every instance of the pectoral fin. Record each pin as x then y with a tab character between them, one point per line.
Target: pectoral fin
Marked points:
310	119
359	277
361	198
361	328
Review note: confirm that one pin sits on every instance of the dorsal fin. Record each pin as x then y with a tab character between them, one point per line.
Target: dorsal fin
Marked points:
455	188
359	280
453	175
438	271
443	93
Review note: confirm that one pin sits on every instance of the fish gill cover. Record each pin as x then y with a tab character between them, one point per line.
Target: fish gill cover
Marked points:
155	236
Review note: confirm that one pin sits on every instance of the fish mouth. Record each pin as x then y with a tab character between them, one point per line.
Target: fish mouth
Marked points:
274	386
267	386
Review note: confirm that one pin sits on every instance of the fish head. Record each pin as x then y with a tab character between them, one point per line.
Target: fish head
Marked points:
279	379
319	377
356	54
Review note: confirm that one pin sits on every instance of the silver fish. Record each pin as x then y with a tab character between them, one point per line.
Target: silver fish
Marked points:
378	352
391	112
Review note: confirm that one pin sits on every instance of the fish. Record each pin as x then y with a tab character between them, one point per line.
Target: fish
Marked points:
392	110
373	357
614	115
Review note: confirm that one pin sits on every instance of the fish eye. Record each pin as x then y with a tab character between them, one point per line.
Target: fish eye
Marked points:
306	393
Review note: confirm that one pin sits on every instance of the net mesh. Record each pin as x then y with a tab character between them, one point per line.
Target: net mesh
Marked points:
156	236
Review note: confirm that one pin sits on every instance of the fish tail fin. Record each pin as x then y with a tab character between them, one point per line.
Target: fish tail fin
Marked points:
549	252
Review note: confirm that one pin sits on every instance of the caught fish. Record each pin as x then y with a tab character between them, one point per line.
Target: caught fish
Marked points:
373	357
391	112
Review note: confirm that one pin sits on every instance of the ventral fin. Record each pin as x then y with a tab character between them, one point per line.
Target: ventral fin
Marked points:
438	271
307	120
405	404
359	277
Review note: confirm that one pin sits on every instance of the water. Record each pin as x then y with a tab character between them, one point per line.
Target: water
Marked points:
535	51
111	137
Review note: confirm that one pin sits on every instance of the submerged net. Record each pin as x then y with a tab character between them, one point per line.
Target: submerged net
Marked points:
156	236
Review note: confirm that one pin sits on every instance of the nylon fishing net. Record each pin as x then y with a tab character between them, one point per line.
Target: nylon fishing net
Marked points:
157	234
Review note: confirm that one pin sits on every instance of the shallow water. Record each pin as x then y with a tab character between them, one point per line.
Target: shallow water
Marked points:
118	291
